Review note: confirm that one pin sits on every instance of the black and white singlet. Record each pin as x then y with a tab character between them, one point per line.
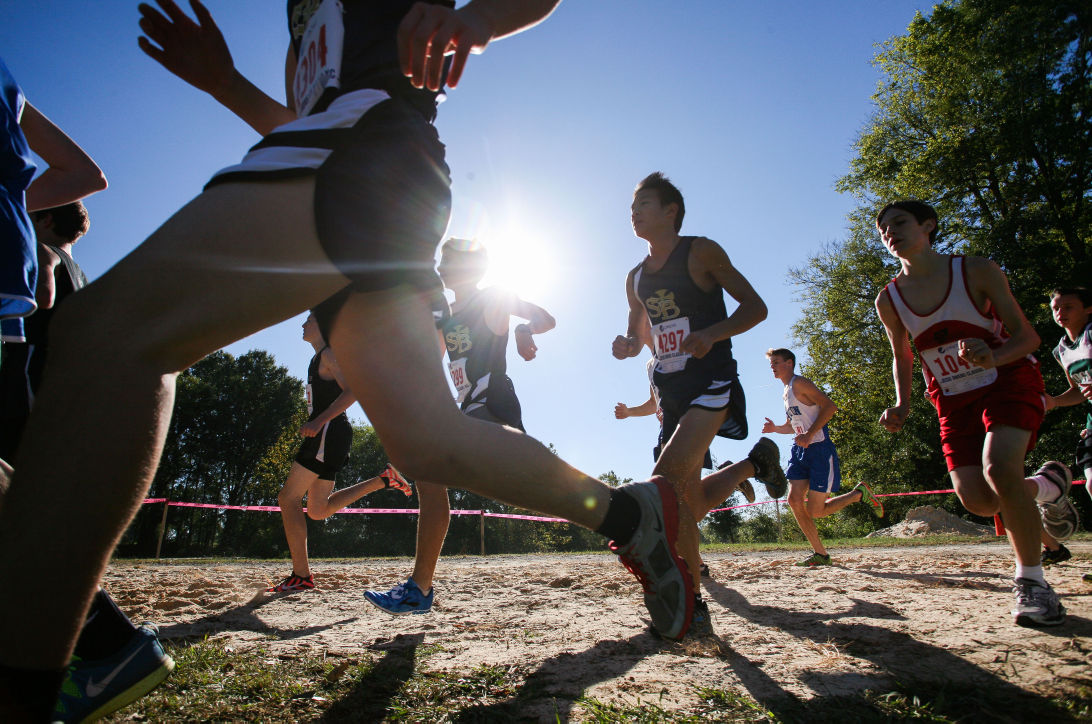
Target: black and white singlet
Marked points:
476	361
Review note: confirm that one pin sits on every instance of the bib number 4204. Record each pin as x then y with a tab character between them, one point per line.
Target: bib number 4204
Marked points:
319	64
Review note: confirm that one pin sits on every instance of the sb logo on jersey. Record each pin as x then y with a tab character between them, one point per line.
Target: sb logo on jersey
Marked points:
661	306
301	15
458	339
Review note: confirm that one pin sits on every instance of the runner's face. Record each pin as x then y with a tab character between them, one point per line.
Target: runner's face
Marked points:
648	216
779	366
457	269
1068	311
311	332
902	234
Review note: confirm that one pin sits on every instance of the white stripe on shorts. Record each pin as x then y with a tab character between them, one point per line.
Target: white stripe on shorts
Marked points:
716	396
830	475
343	113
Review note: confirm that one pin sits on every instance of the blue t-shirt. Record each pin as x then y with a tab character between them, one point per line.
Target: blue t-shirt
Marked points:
18	252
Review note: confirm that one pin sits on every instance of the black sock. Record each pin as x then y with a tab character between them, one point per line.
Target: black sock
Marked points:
623	516
29	694
105	630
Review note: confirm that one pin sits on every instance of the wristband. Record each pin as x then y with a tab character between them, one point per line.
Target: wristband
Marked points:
524	328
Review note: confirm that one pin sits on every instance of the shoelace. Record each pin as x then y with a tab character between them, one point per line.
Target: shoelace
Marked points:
635	568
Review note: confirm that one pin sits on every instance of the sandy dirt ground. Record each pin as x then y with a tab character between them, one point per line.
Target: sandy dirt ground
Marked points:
574	625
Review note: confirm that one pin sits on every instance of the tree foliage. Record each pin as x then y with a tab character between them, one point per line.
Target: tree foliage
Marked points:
983	110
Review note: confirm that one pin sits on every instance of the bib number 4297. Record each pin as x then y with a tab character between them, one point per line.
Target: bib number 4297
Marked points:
667	337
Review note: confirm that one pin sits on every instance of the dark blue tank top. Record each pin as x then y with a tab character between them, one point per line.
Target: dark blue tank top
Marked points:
670	293
466	335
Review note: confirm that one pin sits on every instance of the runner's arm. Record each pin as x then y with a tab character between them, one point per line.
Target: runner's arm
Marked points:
340	404
986	279
638	331
45	293
648	407
770	426
429	32
1072	396
197	53
71	175
538	321
902	365
714	262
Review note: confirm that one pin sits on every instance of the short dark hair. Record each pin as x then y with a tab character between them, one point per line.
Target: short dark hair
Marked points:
70	221
1080	292
918	209
783	354
471	251
667	192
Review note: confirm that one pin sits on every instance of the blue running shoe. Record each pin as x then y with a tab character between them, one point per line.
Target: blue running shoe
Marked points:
402	599
93	689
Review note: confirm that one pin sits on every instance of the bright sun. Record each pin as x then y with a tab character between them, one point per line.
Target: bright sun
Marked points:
520	258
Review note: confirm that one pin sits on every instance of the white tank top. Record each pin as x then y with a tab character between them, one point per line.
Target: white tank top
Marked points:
936	335
801	415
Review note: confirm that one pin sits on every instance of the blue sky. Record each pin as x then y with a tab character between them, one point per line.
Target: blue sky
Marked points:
750	108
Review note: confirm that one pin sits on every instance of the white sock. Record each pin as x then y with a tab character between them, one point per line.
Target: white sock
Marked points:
1048	490
1032	573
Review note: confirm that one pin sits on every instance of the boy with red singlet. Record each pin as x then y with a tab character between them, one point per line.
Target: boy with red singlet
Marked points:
975	345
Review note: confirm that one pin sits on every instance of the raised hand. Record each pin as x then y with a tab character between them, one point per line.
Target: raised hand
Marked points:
194	51
429	33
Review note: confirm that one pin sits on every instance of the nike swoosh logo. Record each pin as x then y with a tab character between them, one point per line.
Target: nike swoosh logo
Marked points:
95	688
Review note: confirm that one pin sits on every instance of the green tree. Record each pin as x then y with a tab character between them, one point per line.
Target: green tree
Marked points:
229	442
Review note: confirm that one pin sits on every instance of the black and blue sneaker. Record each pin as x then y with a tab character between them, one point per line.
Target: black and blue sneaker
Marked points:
402	599
93	689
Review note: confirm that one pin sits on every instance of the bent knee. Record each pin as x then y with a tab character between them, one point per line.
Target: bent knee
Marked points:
983	505
319	511
286	497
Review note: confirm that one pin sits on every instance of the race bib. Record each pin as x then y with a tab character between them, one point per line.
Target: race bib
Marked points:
319	64
459	378
667	338
953	373
307	391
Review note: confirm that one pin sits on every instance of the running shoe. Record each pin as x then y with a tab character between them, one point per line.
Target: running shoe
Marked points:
393	479
867	496
402	599
748	491
815	559
93	689
1060	517
705	570
745	487
1036	604
767	461
701	624
293	583
1061	555
651	556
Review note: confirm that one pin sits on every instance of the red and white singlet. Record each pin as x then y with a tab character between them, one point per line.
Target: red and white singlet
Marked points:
950	380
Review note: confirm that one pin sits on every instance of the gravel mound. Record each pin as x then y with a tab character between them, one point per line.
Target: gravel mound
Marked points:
927	520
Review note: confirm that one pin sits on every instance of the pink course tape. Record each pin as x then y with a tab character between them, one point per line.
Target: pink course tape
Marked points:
544	519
